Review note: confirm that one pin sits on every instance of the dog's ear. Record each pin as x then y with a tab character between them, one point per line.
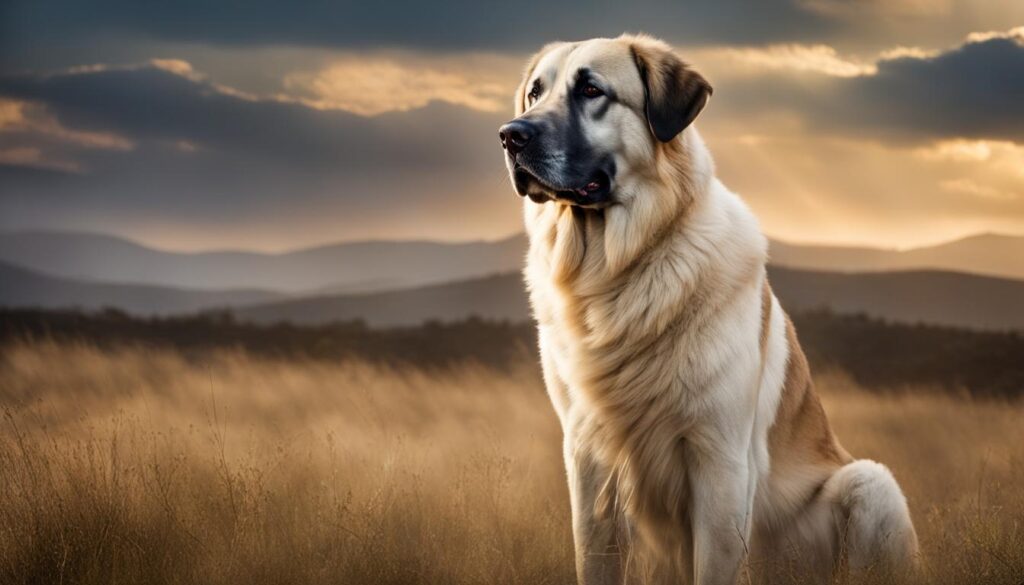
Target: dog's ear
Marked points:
674	94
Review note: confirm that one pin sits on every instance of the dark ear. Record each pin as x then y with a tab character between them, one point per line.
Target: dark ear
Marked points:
673	93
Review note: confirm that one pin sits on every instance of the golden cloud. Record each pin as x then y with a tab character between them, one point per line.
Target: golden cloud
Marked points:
20	116
25	156
971	187
999	155
1016	34
821	59
373	84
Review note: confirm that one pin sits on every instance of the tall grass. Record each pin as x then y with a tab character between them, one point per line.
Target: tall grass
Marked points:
142	466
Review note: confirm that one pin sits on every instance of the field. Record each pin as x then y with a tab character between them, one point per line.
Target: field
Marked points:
145	465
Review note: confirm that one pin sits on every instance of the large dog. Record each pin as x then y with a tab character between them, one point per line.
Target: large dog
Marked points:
695	444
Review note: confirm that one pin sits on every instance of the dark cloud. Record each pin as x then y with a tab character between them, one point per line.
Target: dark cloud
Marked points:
519	25
201	154
150	103
975	91
205	156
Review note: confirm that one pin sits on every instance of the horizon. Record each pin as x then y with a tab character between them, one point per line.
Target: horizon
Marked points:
332	243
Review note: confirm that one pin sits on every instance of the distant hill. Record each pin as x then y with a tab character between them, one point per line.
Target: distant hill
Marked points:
926	296
346	267
942	298
985	254
416	281
24	288
376	266
500	297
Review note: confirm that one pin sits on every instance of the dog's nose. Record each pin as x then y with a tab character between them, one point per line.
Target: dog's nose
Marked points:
516	135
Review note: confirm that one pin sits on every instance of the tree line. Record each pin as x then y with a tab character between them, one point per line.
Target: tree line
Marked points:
873	352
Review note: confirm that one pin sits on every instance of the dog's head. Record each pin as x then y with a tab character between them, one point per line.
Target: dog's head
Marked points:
590	116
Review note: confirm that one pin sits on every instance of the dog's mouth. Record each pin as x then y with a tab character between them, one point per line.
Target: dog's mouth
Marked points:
594	192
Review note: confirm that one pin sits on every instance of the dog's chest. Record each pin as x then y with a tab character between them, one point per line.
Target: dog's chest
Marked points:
672	367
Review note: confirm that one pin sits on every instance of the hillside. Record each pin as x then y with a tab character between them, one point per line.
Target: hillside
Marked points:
387	265
403	295
926	296
983	254
942	298
345	267
499	297
25	288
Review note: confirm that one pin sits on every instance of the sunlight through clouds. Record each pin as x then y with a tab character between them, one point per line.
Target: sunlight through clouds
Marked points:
1016	34
972	188
20	116
32	157
1001	155
828	140
23	123
821	59
370	85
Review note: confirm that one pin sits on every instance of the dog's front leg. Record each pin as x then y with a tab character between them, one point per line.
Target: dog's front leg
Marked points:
598	556
721	527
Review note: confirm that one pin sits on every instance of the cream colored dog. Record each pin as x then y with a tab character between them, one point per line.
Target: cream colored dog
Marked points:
694	440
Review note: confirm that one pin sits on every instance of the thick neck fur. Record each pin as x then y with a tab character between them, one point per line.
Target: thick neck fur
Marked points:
637	286
610	263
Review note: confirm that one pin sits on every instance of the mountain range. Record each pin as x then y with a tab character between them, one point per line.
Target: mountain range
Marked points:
388	265
406	283
20	287
986	254
927	296
346	267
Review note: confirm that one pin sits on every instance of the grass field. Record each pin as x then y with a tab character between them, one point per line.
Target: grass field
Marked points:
142	466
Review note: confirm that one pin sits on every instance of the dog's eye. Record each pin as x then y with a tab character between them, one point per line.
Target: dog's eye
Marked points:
534	94
592	91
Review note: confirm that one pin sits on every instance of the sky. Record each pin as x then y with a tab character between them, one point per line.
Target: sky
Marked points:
268	126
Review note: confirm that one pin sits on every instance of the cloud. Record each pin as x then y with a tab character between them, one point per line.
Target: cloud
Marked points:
453	24
824	143
30	136
1002	153
154	103
974	90
219	162
1015	34
374	83
920	146
823	59
907	52
22	117
880	8
972	188
807	186
32	157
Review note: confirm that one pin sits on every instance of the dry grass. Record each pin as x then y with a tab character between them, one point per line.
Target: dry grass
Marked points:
137	466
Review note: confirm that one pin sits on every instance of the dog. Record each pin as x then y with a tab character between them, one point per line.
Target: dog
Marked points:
695	446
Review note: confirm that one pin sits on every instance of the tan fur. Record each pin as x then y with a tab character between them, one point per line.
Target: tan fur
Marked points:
801	434
766	315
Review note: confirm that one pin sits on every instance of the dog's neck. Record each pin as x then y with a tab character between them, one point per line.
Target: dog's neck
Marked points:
612	267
